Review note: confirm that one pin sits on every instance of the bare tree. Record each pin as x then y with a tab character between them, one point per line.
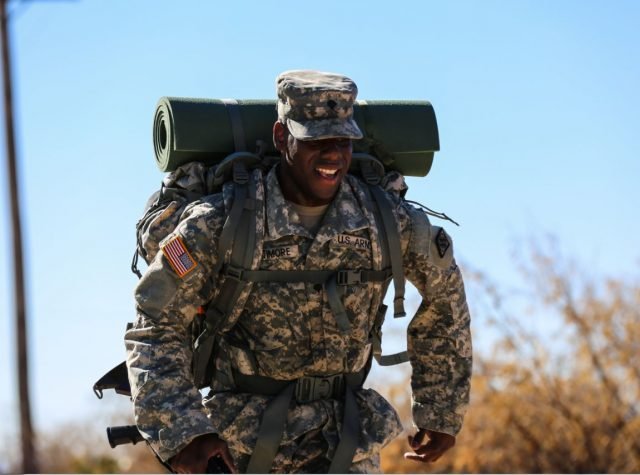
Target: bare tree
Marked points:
558	397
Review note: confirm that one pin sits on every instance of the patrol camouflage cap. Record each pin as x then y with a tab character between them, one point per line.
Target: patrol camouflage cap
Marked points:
316	105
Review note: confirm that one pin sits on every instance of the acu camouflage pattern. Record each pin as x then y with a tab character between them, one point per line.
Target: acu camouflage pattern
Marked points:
317	105
285	331
163	213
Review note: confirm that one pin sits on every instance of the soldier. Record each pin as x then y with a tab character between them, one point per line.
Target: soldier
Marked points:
291	358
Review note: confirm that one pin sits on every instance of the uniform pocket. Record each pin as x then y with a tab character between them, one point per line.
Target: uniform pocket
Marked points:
276	329
379	424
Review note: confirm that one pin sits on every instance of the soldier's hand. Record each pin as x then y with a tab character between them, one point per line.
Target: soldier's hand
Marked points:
429	450
194	457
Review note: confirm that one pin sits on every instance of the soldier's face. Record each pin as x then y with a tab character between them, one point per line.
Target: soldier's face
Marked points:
312	170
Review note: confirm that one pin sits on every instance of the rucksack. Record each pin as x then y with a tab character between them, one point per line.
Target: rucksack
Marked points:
193	180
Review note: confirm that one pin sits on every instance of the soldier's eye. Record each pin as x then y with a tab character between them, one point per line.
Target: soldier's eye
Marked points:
315	143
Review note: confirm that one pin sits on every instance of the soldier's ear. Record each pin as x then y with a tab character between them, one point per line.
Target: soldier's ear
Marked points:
280	137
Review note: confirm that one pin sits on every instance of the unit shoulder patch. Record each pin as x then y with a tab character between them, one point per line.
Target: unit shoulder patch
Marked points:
178	256
442	243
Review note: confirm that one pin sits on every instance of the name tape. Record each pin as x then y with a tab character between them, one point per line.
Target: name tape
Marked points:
353	241
280	252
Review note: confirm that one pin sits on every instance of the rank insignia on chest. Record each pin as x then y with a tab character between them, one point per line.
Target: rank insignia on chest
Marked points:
176	253
355	242
442	243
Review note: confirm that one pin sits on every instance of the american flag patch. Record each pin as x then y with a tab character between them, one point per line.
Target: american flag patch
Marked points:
178	256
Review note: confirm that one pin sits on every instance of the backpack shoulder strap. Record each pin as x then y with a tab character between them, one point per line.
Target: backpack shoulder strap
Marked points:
371	171
390	229
238	241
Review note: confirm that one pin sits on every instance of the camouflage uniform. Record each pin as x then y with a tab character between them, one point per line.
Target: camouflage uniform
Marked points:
286	331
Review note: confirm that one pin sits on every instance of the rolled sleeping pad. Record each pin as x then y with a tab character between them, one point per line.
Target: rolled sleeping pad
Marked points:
401	134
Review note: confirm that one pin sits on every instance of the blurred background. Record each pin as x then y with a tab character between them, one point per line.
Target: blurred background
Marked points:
539	117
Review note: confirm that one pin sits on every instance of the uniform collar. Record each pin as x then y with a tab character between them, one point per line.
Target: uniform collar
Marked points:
344	214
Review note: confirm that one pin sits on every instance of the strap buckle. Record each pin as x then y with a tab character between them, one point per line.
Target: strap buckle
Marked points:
349	277
233	272
368	172
240	173
312	388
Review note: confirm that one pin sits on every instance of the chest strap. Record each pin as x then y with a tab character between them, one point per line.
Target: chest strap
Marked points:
303	390
343	277
330	279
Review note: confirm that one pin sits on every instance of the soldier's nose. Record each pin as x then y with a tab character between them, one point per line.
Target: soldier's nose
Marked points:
331	148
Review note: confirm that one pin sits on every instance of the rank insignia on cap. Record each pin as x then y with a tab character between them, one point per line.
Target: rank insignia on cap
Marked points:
442	243
178	256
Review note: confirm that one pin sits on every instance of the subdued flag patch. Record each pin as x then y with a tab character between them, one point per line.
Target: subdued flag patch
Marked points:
176	253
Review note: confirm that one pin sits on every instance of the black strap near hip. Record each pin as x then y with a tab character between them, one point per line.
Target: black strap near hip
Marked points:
304	389
274	419
346	449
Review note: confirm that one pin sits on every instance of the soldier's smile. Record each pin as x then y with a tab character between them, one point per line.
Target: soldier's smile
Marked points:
327	173
314	169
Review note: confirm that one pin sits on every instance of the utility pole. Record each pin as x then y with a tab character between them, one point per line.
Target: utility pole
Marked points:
29	461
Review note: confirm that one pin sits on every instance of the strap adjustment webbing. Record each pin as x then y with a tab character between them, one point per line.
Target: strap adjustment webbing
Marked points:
343	276
385	360
305	389
395	250
353	277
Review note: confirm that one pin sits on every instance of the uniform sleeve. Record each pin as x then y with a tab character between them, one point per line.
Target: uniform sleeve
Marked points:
439	337
167	405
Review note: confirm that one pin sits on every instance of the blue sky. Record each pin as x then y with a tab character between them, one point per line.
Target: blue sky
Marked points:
537	105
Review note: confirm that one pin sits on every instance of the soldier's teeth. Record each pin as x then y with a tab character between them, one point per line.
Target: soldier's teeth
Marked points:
325	171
